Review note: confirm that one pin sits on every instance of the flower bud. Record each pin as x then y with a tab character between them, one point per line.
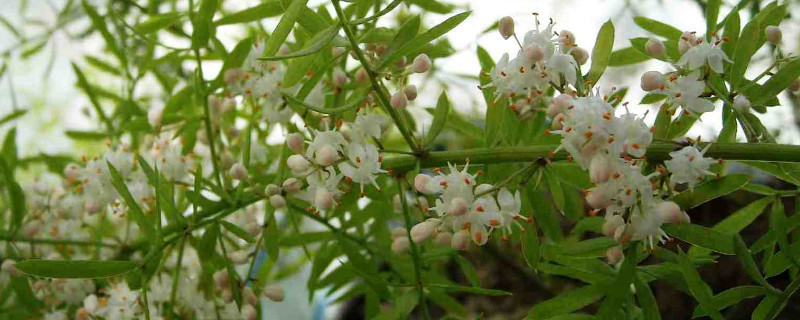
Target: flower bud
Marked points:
274	292
774	35
284	50
326	156
559	105
154	117
380	50
443	238
295	142
580	55
566	38
422	231
533	52
249	312
460	240
624	233
238	172
8	267
249	296
410	91
227	160
272	189
612	224
339	78
323	199
458	207
558	122
421	183
655	48
398	100
337	51
421	63
687	41
227	295
233	75
221	278
596	199
253	228
398	233
292	185
614	254
670	212
277	201
297	163
741	104
795	85
400	245
239	257
599	169
362	76
506	27
652	80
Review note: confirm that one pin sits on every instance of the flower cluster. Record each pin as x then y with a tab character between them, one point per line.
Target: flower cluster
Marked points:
466	210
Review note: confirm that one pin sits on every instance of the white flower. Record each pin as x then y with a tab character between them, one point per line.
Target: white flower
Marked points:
587	128
563	65
686	91
631	135
328	138
647	226
704	52
364	165
689	166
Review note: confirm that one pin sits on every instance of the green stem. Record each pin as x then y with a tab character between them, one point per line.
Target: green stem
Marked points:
414	252
658	151
379	90
11	238
176	274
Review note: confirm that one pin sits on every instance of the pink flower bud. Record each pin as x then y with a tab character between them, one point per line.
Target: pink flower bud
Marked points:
227	295
596	199
655	48
297	163
410	91
323	199
652	80
460	240
670	212
444	238
458	207
239	257
277	201
398	100
599	169
422	231
362	76
580	55
398	232
400	245
774	35
337	51
326	156
253	228
227	160
233	75
421	63
741	104
795	85
612	224
559	105
249	296
687	41
238	172
292	185
506	27
249	312
295	142
614	254
8	267
221	278
274	292
154	117
272	189
421	183
339	78
566	38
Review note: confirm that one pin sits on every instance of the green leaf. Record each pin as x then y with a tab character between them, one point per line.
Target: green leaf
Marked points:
468	270
697	287
465	289
781	80
601	54
283	28
748	264
710	190
87	88
746	47
15	195
731	297
159	21
317	43
566	302
99	23
737	221
207	246
731	32
86	135
712	13
556	192
238	231
23	292
407	31
432	6
729	129
203	28
76	269
12	116
424	38
8	151
701	236
267	9
530	247
134	210
658	28
388	8
10	28
617	292
653	98
439	118
646	300
626	56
